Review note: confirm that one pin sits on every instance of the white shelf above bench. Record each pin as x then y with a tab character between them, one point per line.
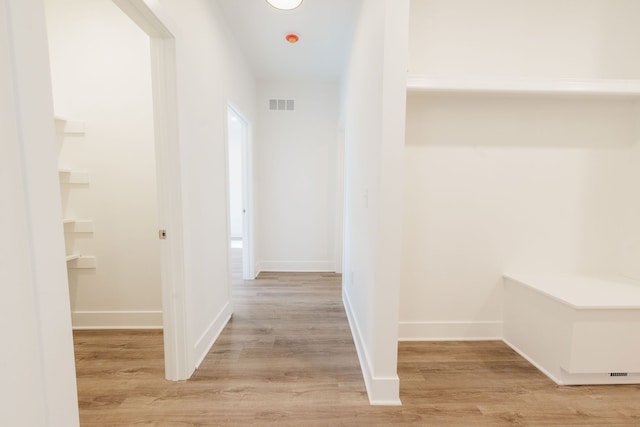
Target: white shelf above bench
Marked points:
606	88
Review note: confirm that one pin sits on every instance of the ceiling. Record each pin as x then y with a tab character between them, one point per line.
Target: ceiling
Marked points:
324	27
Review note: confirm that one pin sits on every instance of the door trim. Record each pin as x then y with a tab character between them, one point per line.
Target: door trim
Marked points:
248	255
165	112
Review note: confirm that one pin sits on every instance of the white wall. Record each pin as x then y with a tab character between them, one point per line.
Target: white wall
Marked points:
210	73
374	138
529	38
100	66
38	386
508	183
295	164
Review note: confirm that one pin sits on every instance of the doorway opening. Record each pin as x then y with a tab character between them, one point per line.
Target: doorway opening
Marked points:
119	301
165	119
240	201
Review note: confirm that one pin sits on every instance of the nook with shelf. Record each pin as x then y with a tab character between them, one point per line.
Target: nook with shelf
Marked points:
595	88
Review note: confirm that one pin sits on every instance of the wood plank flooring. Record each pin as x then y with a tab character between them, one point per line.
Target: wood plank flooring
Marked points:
287	358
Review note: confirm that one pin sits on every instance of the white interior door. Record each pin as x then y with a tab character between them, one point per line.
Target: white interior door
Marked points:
240	187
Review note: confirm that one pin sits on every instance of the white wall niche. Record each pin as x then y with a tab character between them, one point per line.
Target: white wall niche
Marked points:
521	154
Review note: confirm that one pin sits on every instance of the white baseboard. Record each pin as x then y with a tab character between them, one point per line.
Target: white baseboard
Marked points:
450	331
381	390
116	320
534	363
296	266
567	378
211	334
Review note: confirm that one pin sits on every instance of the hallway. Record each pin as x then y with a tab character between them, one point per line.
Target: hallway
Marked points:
287	358
286	354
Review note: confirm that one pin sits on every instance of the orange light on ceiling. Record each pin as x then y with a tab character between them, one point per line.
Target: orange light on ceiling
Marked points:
292	38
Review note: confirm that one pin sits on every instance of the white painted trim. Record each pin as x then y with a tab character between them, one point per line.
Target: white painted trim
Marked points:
385	391
381	390
209	337
599	378
297	266
169	182
530	360
567	378
339	198
83	320
450	331
248	251
140	13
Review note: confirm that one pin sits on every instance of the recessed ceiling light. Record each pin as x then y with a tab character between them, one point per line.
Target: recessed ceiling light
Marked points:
292	38
285	4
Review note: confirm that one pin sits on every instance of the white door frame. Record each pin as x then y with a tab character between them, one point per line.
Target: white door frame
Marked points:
339	190
248	267
165	112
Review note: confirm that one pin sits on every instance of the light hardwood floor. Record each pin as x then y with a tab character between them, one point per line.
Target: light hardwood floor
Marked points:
287	358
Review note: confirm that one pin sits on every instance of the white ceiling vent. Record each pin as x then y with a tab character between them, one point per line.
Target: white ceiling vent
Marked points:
282	105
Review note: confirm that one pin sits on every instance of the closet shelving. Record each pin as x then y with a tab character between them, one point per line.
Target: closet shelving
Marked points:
68	176
72	226
77	225
605	88
69	127
78	261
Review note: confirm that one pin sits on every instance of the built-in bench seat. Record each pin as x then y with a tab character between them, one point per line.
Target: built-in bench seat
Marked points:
576	329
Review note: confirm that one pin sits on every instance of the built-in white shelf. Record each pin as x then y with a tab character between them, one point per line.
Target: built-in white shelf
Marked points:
69	127
78	225
78	261
73	176
560	87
